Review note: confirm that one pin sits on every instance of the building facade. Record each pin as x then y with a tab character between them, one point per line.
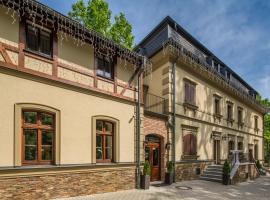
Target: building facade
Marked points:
71	123
211	110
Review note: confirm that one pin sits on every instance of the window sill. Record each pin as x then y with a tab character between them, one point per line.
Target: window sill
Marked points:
190	106
190	157
111	80
219	116
35	53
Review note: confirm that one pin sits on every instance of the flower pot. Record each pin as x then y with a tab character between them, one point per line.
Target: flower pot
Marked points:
226	179
145	182
169	178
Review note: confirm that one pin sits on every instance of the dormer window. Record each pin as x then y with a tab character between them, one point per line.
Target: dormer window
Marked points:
38	40
105	67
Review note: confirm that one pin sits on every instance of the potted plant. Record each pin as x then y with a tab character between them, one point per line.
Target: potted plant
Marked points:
169	173
145	177
226	173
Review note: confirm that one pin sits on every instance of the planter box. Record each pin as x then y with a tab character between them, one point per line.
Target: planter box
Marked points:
168	178
145	182
226	179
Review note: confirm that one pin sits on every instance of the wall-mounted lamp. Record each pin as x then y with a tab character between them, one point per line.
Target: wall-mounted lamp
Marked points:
168	146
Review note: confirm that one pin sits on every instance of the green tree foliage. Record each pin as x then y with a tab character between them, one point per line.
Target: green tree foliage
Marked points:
266	103
121	31
96	15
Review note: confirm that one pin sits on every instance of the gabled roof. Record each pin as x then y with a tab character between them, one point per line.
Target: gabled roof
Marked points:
173	24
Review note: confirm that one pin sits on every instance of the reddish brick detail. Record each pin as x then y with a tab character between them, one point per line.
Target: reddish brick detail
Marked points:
157	126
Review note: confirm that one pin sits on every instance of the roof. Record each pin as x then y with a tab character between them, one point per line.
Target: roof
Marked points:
173	24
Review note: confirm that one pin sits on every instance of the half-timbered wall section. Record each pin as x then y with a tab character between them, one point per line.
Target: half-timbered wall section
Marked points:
71	61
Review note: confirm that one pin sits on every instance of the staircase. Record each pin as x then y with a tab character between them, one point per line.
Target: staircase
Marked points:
212	173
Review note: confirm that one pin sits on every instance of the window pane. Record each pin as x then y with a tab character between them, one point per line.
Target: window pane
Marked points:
46	119
108	147
109	141
32	38
47	152
108	127
45	42
30	117
155	157
47	138
109	153
99	153
99	125
30	144
99	141
30	153
30	137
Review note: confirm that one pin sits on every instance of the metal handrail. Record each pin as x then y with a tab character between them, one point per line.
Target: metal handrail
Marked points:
154	103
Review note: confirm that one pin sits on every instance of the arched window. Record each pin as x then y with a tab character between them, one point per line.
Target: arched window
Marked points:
104	141
190	144
38	137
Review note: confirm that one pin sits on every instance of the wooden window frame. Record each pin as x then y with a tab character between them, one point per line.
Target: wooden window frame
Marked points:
39	127
230	114
112	66
240	117
256	125
38	52
192	152
189	92
104	134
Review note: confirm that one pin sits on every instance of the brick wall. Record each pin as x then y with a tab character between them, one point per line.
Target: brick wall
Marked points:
67	184
157	126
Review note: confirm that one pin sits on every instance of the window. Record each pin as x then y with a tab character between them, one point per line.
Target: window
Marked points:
229	112
190	93
38	137
240	116
104	141
217	106
256	123
230	147
190	144
256	151
105	67
38	40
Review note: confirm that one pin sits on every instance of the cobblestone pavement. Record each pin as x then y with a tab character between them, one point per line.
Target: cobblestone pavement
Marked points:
192	190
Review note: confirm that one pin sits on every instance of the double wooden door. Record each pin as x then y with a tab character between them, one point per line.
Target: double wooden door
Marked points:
152	154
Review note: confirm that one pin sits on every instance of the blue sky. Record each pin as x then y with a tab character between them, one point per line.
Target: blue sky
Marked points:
237	31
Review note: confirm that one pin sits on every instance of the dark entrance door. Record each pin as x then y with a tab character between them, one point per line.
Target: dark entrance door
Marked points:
152	154
217	151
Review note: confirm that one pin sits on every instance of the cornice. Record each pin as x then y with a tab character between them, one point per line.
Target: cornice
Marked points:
178	53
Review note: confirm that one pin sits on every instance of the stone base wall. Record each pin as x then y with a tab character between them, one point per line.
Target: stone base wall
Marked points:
67	184
188	171
244	173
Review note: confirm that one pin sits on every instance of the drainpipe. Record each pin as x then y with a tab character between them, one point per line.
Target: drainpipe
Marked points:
173	121
138	127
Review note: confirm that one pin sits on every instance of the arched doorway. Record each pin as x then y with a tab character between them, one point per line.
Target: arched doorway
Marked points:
153	155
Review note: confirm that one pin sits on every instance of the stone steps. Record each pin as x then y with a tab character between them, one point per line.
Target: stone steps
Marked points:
213	173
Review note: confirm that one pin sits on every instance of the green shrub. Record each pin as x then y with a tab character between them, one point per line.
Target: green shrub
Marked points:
258	164
170	166
146	168
226	168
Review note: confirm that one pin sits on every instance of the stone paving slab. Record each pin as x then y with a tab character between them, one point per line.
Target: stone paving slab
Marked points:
200	190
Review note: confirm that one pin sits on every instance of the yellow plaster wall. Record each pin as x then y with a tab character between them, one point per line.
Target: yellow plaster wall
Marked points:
76	112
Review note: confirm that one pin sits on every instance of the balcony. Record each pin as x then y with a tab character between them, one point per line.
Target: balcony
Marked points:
154	103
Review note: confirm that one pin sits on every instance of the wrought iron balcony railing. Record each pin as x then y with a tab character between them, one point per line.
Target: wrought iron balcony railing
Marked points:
154	103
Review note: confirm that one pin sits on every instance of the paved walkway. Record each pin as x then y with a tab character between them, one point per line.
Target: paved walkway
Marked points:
192	190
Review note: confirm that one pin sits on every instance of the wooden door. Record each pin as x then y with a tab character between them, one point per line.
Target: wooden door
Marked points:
152	154
217	151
